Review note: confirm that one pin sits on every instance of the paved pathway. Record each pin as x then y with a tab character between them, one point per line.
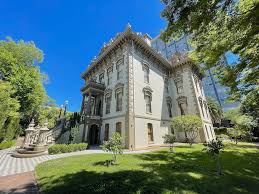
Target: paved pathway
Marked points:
10	165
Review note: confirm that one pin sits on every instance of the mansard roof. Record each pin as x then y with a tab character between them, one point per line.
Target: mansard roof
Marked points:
121	38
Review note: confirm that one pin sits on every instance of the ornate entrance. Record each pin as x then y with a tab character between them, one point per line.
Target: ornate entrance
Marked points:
94	135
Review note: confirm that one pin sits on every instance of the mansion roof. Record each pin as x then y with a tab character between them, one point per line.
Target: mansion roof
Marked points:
177	60
120	38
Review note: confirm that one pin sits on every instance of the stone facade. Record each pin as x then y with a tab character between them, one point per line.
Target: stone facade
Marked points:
131	89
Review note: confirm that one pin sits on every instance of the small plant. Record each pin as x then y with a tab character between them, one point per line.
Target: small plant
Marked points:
114	145
169	139
213	148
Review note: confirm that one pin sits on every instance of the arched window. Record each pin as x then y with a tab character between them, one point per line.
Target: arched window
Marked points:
166	85
118	96
119	68
146	73
106	132
118	128
150	133
182	102
109	75
169	106
108	102
148	98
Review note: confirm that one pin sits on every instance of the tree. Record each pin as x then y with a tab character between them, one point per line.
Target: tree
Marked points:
49	113
9	115
216	28
18	65
213	148
169	139
190	124
114	145
215	110
243	124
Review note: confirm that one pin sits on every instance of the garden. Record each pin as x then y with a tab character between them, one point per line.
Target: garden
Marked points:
187	170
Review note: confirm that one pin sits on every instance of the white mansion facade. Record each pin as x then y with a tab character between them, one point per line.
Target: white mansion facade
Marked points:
131	89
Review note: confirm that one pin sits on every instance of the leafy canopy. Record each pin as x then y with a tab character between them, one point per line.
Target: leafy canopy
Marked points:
215	110
217	27
18	66
9	115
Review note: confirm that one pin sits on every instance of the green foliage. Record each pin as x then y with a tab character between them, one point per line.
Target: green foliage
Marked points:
169	139
65	148
215	110
17	64
213	148
189	124
49	113
7	144
9	115
218	27
114	145
220	130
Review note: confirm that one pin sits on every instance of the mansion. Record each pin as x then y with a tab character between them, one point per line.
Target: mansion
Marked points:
131	89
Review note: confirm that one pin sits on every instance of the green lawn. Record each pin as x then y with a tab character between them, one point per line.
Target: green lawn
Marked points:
188	171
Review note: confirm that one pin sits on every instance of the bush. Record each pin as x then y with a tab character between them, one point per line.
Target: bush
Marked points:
221	130
66	148
7	144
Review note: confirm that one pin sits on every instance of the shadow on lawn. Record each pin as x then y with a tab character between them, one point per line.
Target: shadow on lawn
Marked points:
180	173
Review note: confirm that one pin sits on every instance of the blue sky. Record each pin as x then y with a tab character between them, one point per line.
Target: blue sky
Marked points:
70	33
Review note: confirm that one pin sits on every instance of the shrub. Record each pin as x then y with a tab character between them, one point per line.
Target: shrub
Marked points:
189	124
114	145
213	148
7	144
66	148
169	139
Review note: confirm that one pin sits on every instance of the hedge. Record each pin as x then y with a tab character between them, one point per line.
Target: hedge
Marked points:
7	144
65	148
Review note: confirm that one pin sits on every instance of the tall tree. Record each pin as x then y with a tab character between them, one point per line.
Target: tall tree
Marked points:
215	110
217	27
19	66
9	115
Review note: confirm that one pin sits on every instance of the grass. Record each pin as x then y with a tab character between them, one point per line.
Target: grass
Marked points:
188	171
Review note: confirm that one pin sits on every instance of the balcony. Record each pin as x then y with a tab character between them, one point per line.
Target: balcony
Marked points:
93	88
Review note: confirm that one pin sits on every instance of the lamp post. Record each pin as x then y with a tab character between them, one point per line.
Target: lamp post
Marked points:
65	111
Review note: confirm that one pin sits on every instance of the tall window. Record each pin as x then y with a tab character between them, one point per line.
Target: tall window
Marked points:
118	128
106	132
148	98
179	87
109	75
150	133
119	69
108	103
146	73
206	109
169	107
101	78
166	85
201	105
119	100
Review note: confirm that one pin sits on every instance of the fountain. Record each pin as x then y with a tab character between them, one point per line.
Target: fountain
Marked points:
36	141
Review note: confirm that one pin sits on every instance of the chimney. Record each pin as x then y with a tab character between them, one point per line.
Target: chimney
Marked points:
147	39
